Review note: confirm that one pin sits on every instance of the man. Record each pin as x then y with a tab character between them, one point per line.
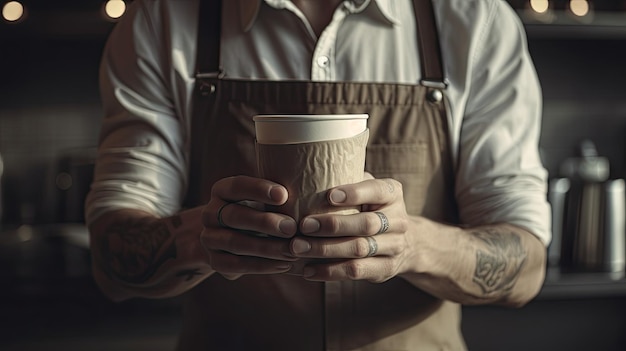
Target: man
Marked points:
453	211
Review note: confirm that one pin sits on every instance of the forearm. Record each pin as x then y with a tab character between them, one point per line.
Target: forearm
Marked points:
136	254
500	263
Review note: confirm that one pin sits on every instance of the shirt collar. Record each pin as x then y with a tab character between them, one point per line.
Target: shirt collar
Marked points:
249	9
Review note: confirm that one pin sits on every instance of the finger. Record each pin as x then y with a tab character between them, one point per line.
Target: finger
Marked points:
370	191
244	244
242	217
237	188
232	266
360	224
385	245
373	269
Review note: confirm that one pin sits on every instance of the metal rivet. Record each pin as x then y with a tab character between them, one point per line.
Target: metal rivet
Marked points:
206	89
435	96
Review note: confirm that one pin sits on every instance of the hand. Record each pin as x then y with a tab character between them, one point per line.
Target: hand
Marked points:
343	238
234	246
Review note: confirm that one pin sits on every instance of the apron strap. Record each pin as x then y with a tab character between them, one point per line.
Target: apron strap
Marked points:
207	66
208	39
428	44
210	28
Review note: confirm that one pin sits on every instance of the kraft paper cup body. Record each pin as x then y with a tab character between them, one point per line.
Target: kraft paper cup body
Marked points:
308	170
308	160
295	129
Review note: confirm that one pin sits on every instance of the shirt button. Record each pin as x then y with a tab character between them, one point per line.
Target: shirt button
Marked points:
323	61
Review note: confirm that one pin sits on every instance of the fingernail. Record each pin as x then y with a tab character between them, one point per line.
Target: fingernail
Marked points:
299	246
310	225
277	194
338	196
308	272
288	226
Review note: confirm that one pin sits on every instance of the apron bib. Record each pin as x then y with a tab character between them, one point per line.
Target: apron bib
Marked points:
408	142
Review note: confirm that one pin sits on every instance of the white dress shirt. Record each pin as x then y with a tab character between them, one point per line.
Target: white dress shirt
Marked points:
147	80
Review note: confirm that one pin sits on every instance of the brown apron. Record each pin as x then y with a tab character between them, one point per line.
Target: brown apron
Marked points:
408	142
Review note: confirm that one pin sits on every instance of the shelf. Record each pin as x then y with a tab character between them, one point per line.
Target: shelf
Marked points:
563	25
582	285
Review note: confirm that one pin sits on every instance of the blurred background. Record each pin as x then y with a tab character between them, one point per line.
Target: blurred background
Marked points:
49	119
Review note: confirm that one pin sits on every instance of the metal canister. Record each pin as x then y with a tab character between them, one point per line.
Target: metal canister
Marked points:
614	226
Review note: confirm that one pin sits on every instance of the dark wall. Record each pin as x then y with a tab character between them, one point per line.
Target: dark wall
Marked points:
585	97
49	116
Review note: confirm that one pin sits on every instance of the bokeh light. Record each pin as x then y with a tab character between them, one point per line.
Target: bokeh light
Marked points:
579	7
12	11
115	9
540	6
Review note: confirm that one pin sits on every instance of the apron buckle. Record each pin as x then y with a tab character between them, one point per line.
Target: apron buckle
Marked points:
437	84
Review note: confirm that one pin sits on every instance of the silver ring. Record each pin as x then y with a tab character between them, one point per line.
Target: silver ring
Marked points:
373	246
219	215
384	222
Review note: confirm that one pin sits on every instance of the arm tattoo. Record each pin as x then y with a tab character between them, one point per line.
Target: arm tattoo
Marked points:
499	261
133	251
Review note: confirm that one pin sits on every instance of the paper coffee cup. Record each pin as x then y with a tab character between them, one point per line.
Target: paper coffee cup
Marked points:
309	155
296	129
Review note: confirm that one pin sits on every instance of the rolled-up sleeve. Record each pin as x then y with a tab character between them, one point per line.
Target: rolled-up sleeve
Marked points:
500	174
141	161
